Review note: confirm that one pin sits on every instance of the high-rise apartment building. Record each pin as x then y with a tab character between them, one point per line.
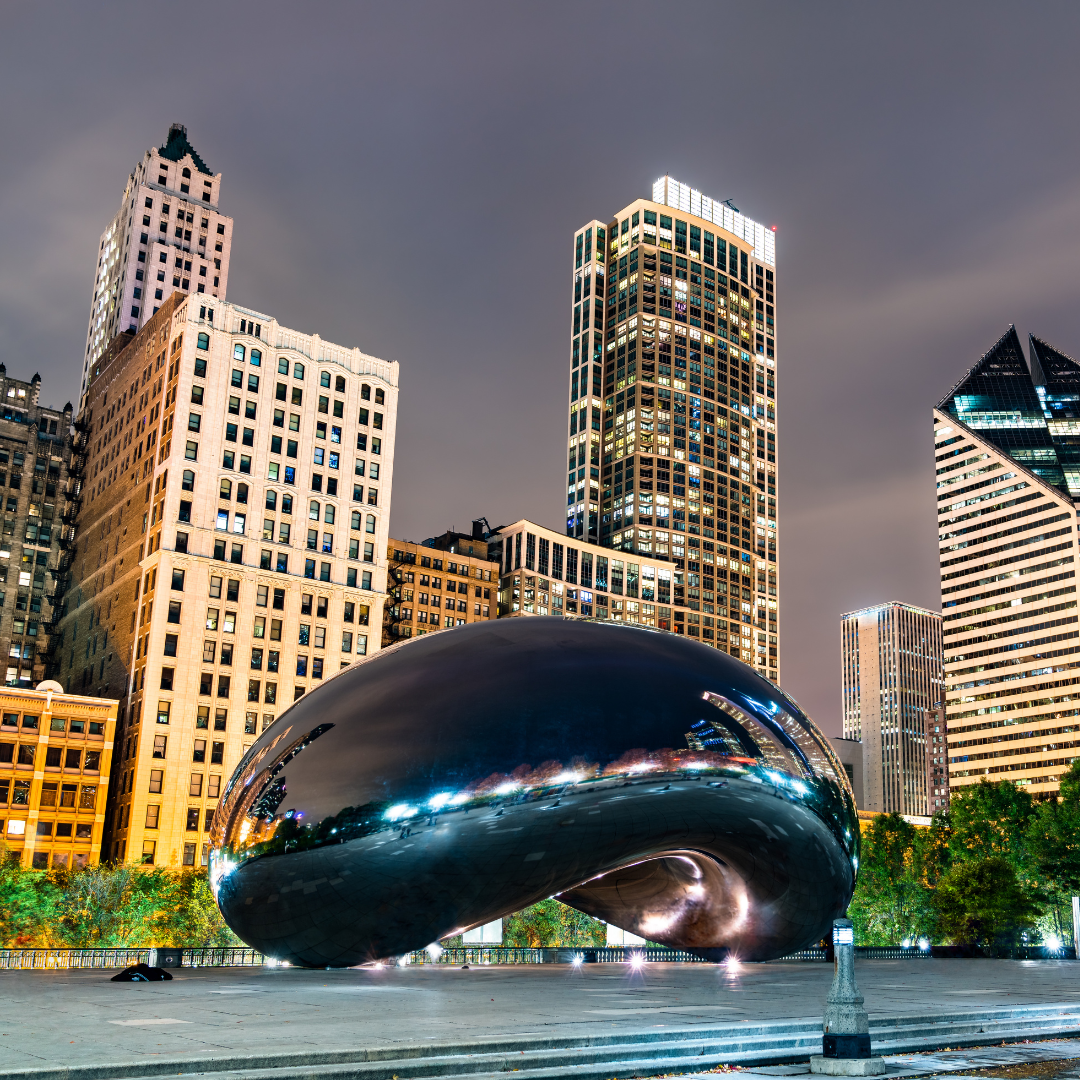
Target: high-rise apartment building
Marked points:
39	498
231	550
891	677
672	387
55	754
432	587
1007	448
168	235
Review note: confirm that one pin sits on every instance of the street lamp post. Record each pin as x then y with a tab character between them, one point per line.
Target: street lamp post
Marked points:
845	1043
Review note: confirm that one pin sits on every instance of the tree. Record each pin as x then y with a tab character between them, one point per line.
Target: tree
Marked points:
983	902
991	819
550	923
27	903
891	901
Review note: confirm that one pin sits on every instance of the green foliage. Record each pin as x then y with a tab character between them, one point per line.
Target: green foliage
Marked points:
994	865
982	902
103	906
991	819
891	903
550	923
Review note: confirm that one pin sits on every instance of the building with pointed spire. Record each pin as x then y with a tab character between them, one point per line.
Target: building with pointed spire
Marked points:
1007	452
167	236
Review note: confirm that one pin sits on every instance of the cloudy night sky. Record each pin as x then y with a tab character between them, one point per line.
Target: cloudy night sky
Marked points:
407	178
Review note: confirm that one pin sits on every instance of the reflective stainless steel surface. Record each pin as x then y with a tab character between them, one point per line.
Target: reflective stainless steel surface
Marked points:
642	777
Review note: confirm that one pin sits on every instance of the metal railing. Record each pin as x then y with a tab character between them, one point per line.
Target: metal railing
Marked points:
46	959
58	959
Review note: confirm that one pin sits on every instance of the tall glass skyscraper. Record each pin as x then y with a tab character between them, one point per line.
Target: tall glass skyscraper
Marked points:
1007	448
671	433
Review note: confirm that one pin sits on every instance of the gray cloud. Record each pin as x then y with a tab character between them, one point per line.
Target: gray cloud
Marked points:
407	178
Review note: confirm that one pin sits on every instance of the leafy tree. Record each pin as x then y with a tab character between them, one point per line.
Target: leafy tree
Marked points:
550	923
891	901
27	903
991	819
983	902
932	851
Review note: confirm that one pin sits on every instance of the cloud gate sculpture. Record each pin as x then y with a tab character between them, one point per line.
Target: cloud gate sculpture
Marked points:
638	776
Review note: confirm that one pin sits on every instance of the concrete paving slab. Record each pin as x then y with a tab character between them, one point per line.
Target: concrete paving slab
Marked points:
78	1018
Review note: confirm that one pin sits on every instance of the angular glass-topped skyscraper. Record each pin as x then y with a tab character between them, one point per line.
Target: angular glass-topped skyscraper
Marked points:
1007	449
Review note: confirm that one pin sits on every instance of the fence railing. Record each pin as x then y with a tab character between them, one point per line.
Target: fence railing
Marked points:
57	959
480	955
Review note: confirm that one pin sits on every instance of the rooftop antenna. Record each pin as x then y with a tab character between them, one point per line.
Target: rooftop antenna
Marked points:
728	203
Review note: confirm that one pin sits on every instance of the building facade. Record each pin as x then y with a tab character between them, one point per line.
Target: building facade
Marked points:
231	548
891	679
1007	452
167	235
431	587
55	756
40	498
937	761
543	572
671	436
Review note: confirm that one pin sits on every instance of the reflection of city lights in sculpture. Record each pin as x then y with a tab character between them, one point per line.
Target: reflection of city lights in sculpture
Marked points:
641	777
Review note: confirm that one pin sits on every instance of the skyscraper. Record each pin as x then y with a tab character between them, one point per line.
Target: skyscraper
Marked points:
40	499
672	386
1007	448
891	677
168	234
226	562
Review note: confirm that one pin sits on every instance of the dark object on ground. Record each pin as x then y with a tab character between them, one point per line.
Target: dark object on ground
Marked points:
641	777
142	973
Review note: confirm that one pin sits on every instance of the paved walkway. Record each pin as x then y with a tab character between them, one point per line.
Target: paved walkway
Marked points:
80	1017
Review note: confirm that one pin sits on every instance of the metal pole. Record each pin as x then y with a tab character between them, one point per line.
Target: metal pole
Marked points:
845	1049
1076	925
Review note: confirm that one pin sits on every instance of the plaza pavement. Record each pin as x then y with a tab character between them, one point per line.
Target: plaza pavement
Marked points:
76	1020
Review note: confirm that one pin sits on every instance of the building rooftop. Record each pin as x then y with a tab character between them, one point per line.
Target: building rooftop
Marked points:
670	192
177	146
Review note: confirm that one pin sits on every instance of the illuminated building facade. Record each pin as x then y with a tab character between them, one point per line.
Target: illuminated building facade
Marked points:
671	436
168	235
39	498
891	680
231	548
443	582
55	755
544	572
1007	452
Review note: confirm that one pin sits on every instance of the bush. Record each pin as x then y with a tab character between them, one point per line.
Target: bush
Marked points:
106	906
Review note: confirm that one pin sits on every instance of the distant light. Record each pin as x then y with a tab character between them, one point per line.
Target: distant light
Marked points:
459	798
434	950
924	943
641	766
402	810
505	789
637	960
578	959
567	778
439	800
695	765
1053	941
377	964
732	964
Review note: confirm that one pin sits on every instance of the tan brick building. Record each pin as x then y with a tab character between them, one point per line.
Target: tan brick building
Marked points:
230	549
55	754
443	582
